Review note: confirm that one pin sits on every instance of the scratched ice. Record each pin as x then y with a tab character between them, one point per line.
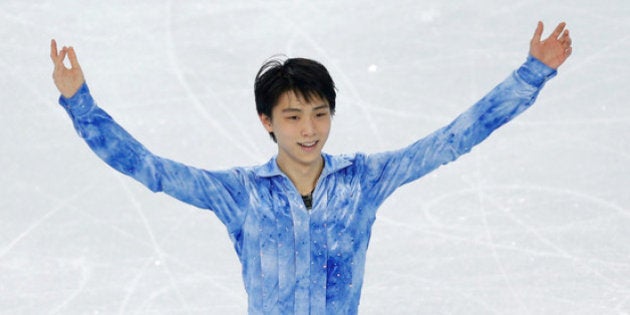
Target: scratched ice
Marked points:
536	220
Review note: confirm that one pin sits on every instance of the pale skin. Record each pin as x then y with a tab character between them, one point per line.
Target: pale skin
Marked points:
301	127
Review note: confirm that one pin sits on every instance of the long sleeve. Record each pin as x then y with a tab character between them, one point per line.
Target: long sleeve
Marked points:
223	192
387	171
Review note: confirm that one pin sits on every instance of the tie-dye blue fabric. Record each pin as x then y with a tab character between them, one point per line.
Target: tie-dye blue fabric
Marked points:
294	260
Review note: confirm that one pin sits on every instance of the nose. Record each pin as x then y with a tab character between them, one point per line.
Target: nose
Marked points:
308	127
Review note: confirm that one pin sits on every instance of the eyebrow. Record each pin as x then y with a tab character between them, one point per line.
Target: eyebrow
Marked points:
293	109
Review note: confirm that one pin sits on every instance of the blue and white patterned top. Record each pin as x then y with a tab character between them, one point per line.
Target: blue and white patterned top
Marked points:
294	260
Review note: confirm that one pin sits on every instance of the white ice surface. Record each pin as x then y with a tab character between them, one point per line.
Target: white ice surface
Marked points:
536	220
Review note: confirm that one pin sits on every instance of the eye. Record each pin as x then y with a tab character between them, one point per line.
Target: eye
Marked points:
293	117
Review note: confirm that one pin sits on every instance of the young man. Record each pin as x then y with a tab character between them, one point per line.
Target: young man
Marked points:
301	223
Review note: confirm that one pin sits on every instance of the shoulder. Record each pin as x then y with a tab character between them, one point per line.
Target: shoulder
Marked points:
344	163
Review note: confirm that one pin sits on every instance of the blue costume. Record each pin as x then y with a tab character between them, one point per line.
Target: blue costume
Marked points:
296	260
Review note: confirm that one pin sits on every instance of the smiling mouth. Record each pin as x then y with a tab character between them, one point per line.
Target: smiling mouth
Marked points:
308	145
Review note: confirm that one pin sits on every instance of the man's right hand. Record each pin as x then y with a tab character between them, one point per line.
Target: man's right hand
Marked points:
67	80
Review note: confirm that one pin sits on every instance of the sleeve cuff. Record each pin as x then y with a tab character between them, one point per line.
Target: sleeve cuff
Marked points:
534	72
80	103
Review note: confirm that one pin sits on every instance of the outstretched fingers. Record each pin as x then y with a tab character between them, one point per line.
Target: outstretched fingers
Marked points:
67	79
58	56
556	33
538	32
553	50
53	50
566	38
566	41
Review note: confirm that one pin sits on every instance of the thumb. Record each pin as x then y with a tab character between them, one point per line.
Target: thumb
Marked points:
538	32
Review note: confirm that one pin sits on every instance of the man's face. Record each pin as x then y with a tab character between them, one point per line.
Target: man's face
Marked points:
301	128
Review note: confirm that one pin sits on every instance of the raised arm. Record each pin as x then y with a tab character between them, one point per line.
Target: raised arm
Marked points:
221	191
389	170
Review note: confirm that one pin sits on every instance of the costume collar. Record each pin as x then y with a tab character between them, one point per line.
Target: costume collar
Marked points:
331	164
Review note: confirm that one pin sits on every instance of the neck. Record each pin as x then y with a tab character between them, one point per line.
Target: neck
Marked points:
304	177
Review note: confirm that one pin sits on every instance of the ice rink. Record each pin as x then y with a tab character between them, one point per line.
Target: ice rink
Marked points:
535	220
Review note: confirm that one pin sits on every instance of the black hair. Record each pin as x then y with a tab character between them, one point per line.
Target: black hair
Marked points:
305	77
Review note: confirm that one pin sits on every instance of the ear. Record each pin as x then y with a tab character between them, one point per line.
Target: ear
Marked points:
266	122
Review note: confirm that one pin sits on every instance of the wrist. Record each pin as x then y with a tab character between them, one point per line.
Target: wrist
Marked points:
79	103
535	72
